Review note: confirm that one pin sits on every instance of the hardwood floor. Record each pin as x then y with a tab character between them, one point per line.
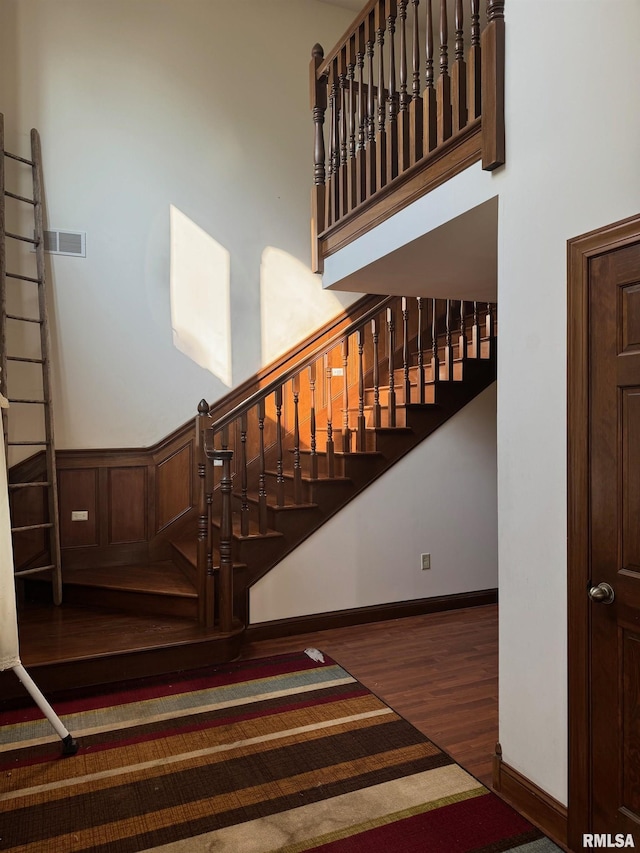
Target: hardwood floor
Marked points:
439	671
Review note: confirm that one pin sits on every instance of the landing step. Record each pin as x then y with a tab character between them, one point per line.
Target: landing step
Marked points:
163	578
187	549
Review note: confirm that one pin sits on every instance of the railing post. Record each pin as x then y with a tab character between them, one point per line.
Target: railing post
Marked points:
328	372
392	127
376	375
429	99
444	80
406	381
416	104
346	430
297	469
419	345
361	428
381	138
474	84
204	617
318	201
370	151
313	456
459	73
391	332
493	151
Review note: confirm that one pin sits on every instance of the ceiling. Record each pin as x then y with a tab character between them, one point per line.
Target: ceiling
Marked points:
353	5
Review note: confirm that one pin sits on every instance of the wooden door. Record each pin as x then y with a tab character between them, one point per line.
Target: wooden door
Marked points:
604	525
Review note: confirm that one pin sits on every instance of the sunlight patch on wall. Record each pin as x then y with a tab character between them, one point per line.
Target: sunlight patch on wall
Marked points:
200	296
292	302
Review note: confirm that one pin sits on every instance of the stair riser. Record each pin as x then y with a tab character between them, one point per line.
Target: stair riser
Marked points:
131	602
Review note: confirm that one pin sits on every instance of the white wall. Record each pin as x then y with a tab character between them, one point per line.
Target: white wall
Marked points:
439	499
200	104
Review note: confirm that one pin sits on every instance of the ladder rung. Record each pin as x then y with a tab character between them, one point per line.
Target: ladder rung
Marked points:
35	484
31	527
20	197
33	571
25	400
19	159
27	443
28	360
20	237
24	319
22	277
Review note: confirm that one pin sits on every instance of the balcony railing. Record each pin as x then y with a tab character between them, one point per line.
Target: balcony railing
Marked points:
397	113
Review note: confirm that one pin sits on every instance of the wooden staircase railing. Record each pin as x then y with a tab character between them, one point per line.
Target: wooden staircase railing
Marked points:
268	456
378	144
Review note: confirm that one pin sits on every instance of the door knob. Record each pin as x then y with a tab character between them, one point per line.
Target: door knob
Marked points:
602	594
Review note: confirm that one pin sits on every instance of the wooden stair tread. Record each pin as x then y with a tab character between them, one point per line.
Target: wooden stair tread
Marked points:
188	548
163	578
254	498
311	480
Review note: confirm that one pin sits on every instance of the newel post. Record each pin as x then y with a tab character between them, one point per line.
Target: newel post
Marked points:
202	420
492	42
319	106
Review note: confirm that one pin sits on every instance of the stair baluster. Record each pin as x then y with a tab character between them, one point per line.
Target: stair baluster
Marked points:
459	74
416	107
244	503
226	532
361	175
313	457
328	372
370	176
352	197
392	127
204	525
381	138
420	353
405	352
475	80
344	147
435	357
376	375
405	98
444	81
429	97
462	340
297	470
475	333
361	428
280	449
391	334
262	488
346	431
448	348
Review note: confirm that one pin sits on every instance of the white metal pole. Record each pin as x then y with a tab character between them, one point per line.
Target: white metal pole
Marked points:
70	747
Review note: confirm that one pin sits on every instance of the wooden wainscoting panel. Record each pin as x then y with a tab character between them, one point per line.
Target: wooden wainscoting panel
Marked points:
173	486
78	490
127	505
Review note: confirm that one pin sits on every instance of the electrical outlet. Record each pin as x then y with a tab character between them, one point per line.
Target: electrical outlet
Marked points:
337	371
79	515
426	561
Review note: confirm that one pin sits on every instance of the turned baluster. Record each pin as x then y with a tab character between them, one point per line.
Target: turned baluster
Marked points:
391	337
328	372
475	68
318	204
361	428
459	74
346	431
297	468
313	456
444	81
420	352
376	375
435	358
202	421
493	47
475	333
429	98
226	532
244	502
405	352
352	184
416	111
371	148
405	98
381	137
262	478
279	448
361	173
448	349
462	340
344	146
334	187
392	127
490	330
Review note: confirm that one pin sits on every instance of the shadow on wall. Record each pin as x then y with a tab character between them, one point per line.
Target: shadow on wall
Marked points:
200	287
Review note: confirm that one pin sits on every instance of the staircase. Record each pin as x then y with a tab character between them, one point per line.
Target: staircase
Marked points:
273	469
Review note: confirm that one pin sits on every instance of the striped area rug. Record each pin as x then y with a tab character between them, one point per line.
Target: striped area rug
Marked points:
285	753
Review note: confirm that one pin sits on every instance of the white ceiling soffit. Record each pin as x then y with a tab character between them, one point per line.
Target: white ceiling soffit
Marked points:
457	260
353	5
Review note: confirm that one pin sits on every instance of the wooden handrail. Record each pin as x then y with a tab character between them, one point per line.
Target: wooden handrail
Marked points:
369	146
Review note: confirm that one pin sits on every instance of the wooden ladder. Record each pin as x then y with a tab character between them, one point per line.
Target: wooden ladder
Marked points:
49	525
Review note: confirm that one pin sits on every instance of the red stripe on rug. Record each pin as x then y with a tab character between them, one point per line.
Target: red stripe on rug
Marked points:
463	827
186	682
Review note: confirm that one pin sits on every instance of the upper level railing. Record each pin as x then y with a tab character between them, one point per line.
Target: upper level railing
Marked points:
412	94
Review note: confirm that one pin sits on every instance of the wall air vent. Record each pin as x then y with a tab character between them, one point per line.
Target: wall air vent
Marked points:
66	243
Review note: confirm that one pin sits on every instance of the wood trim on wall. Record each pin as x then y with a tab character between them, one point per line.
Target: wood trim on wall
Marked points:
534	803
362	615
580	251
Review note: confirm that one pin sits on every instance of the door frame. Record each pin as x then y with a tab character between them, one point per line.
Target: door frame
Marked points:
580	250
